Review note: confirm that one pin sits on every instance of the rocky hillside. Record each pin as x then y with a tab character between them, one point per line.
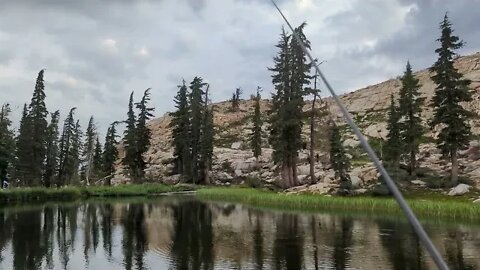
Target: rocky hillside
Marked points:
233	160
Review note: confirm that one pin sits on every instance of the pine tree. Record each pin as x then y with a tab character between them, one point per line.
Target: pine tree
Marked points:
180	125
130	141
143	133
88	150
451	90
66	166
97	160
393	147
235	101
23	149
206	141
110	153
290	78
256	136
410	109
74	153
7	143
51	162
38	116
340	161
196	116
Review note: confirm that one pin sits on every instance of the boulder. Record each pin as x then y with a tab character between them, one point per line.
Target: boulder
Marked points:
238	173
236	145
303	170
477	200
459	190
419	182
356	181
351	143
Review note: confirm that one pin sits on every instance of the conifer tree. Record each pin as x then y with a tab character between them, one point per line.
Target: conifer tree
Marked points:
340	161
7	143
23	149
143	133
180	125
74	153
97	160
236	99
38	118
206	141
393	147
88	150
130	141
451	90
290	78
110	153
66	166
410	109
51	162
196	116
256	136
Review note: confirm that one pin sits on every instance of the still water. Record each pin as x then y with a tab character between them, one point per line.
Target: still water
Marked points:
184	233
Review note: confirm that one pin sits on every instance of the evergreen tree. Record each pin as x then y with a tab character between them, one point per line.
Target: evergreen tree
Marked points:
97	160
7	143
51	162
410	109
206	141
66	166
236	99
143	133
74	153
180	125
196	116
110	153
256	137
130	141
23	149
451	90
340	161
393	147
88	150
38	116
290	78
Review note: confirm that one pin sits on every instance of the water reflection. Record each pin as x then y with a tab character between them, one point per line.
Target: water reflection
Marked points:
183	233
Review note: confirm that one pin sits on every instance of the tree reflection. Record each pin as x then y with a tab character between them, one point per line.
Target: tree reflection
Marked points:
402	245
26	240
106	211
134	242
288	244
342	243
258	242
192	246
454	251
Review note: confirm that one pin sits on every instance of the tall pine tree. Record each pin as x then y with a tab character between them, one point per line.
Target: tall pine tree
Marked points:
290	78
110	153
97	161
196	118
451	90
38	119
74	153
130	141
143	133
256	136
340	161
410	109
23	149
88	150
7	143
66	166
206	141
180	125
393	147
51	162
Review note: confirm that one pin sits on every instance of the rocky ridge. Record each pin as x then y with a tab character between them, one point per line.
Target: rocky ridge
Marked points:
233	160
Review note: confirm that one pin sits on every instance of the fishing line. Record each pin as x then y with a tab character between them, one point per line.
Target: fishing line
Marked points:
427	243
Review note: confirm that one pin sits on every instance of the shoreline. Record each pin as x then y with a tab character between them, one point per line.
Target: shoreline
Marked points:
451	208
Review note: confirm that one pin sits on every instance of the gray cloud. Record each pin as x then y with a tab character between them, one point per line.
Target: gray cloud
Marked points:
96	52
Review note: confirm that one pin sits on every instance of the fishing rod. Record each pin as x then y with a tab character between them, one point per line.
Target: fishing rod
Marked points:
392	187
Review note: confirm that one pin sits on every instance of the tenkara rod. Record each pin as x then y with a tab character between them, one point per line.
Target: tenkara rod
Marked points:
427	243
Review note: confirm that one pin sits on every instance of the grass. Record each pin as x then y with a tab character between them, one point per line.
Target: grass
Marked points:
21	195
428	207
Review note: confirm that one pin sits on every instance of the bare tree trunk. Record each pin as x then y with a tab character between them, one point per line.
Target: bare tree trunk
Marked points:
454	175
312	138
413	164
285	175
294	171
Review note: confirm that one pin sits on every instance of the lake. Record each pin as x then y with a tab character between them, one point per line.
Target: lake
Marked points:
181	232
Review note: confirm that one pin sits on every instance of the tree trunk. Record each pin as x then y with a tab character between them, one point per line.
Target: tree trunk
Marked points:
413	161
312	139
294	171
454	175
285	175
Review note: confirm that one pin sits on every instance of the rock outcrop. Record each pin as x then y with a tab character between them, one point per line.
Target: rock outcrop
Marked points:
233	159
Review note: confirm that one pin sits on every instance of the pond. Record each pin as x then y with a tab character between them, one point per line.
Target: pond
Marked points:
181	232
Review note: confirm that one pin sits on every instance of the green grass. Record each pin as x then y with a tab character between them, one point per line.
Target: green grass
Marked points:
21	195
429	207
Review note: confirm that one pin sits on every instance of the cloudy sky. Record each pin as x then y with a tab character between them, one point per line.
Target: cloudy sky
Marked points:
96	52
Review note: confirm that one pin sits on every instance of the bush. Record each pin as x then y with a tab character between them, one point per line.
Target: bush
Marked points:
253	182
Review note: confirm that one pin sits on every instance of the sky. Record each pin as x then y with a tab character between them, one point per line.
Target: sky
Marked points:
96	52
